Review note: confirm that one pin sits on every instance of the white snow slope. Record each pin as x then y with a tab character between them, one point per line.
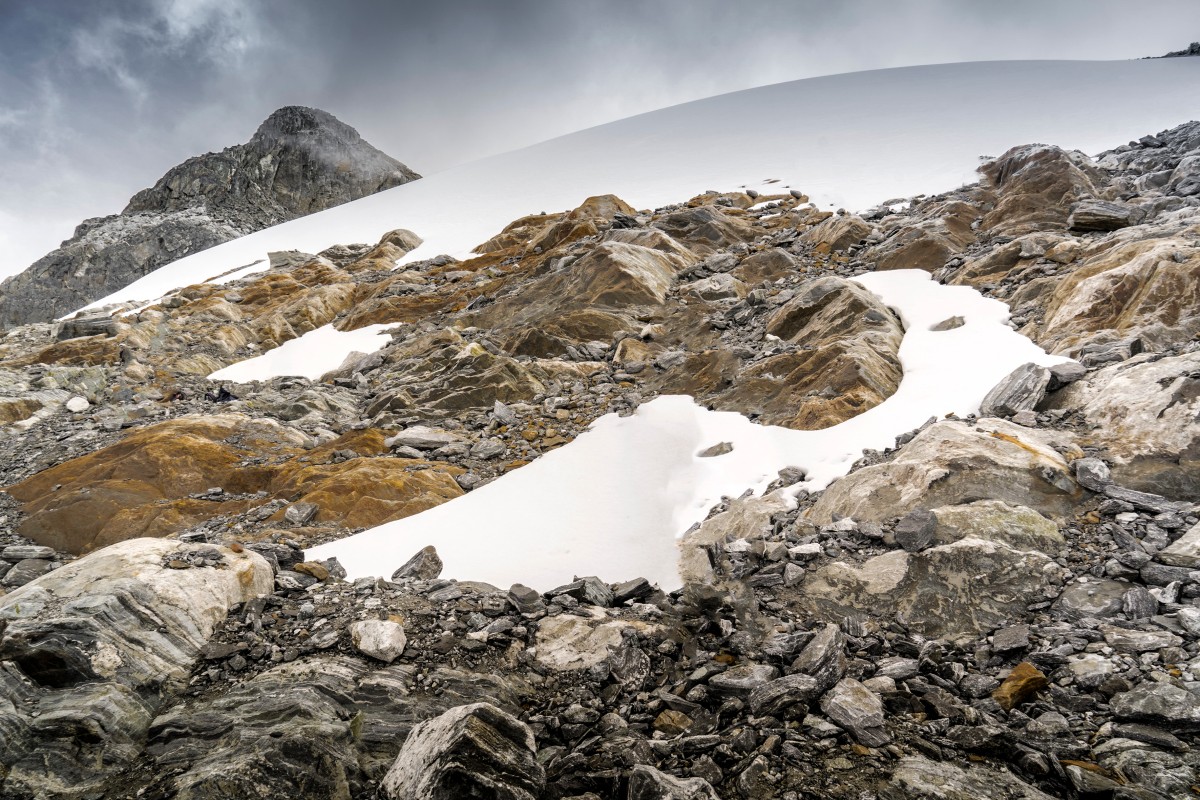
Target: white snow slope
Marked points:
613	502
850	140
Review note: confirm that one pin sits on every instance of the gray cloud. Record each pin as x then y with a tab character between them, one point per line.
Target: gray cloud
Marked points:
97	99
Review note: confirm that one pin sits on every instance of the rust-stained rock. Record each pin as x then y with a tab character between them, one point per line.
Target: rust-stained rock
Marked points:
144	484
1021	685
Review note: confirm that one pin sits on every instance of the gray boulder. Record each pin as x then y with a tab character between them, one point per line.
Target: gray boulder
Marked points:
1102	215
1021	390
856	708
647	783
475	750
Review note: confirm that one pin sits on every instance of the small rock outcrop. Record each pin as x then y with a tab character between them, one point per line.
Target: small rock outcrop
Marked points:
469	751
300	160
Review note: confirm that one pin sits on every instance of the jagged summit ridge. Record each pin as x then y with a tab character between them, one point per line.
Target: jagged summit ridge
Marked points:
300	160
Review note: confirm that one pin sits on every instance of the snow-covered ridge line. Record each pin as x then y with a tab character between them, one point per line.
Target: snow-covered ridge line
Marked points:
613	502
846	140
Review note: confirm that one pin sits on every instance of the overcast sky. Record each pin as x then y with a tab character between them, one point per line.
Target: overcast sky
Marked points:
99	97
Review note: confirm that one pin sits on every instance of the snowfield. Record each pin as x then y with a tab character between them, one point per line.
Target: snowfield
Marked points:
613	502
852	140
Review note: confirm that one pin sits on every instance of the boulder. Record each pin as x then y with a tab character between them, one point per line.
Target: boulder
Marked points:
1147	413
647	783
1184	551
953	462
919	778
1021	390
1144	288
1016	526
839	232
476	750
856	708
846	360
378	639
1035	186
1102	215
1159	704
106	641
962	589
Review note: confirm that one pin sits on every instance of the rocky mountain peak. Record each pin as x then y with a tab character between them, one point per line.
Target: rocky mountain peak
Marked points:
299	161
293	120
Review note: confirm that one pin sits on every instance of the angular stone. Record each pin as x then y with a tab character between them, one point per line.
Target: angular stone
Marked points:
631	591
1066	373
301	513
422	437
1021	390
587	590
856	708
790	695
379	639
822	658
424	566
1138	603
26	570
1185	551
1012	638
919	778
1159	704
475	750
1022	684
1124	640
647	783
20	552
1092	473
1090	670
672	723
1146	501
914	531
1102	215
1095	598
525	600
741	680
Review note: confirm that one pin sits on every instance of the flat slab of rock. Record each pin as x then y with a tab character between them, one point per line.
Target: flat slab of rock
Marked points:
1102	215
919	778
476	750
1184	552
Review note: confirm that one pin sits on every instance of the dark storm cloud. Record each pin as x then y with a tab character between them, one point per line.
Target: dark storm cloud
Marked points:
99	97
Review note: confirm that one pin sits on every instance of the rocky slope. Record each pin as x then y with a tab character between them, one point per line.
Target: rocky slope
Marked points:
300	160
999	606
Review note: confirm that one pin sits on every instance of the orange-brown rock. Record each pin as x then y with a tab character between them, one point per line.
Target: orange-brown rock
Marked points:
768	265
1021	685
1035	186
141	486
929	243
838	232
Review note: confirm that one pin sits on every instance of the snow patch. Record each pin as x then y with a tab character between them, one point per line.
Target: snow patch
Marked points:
308	356
613	502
